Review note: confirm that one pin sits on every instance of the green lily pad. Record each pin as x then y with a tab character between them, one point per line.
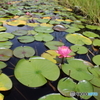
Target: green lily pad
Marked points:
43	29
4	36
2	28
72	29
92	27
2	65
5	54
96	59
77	69
43	20
90	34
1	96
84	87
32	32
34	72
78	39
43	37
51	55
1	23
56	96
5	82
6	44
97	90
96	72
54	22
21	52
79	49
53	45
26	39
19	32
66	86
96	42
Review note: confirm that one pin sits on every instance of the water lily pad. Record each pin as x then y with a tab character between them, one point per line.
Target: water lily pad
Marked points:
92	27
59	28
43	37
79	49
6	44
5	54
66	86
5	82
53	45
19	32
54	22
90	34
72	29
43	20
77	69
1	96
1	23
16	22
96	78
33	24
78	39
2	65
50	55
56	96
96	42
84	87
2	28
96	59
43	29
46	25
21	52
26	39
32	32
34	72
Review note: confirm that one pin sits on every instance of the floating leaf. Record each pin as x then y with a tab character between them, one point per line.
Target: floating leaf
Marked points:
59	28
54	22
50	55
56	96
42	29
19	32
96	42
77	69
90	34
43	37
26	39
1	23
66	86
53	45
84	87
5	54
78	39
16	22
21	52
2	28
1	96
92	27
2	65
72	29
33	24
46	25
96	59
32	32
5	82
43	20
79	49
33	72
6	44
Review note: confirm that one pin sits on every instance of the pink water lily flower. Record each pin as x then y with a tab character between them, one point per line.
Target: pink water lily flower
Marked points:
64	51
28	13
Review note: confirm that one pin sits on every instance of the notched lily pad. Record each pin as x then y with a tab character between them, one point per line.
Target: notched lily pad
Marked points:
19	32
2	65
77	69
66	86
21	52
53	45
36	71
5	54
79	49
78	39
5	82
26	39
96	59
96	42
